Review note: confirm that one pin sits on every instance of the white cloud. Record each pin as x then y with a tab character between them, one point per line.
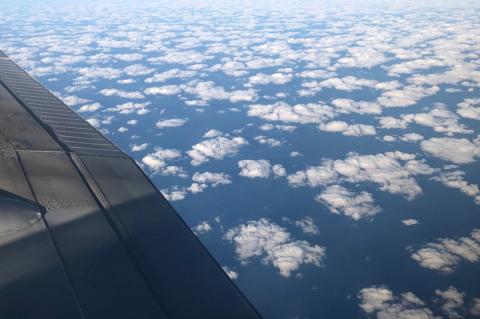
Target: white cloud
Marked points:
386	170
216	148
274	245
212	133
163	90
452	300
267	140
469	108
202	228
90	107
139	147
380	301
174	193
129	57
137	70
170	74
203	180
157	162
475	309
409	222
361	57
440	119
269	127
278	170
307	226
407	96
231	273
275	78
255	168
300	113
122	129
411	137
170	123
389	122
130	107
341	201
122	94
455	179
458	151
361	107
444	255
348	83
207	91
94	122
348	129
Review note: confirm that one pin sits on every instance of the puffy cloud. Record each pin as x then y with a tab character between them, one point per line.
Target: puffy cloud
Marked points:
411	137
72	100
455	179
279	170
348	129
414	65
202	228
389	122
122	129
475	309
381	301
90	107
409	222
269	127
163	90
469	108
203	180
157	162
274	245
139	147
275	78
266	140
212	133
207	91
129	57
122	94
386	170
341	201
452	300
137	70
458	151
440	119
307	226
444	255
407	96
351	106
170	123
174	193
216	148
255	168
231	273
361	57
130	107
170	74
300	113
348	83
182	57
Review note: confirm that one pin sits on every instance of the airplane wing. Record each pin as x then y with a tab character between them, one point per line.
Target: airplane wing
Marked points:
83	232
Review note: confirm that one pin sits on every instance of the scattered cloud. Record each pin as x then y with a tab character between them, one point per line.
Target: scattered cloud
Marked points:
339	200
445	255
273	244
215	148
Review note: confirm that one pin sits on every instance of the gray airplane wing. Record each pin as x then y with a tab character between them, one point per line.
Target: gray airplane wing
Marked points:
83	232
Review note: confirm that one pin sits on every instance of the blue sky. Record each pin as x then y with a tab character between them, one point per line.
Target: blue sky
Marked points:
326	154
